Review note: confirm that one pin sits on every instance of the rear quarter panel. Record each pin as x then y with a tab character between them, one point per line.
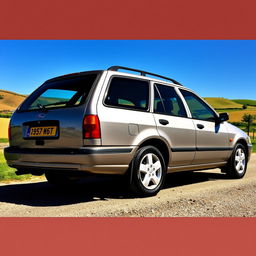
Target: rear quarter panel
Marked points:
123	127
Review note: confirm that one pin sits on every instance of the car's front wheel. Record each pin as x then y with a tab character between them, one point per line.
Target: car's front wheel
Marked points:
237	165
148	171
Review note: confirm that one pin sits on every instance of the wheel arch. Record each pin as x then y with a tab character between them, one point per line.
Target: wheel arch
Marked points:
157	142
244	143
161	145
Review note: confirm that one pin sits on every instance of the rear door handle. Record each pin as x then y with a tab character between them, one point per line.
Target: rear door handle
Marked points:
163	121
200	126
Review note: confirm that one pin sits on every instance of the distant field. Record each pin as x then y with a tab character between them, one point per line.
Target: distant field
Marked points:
222	103
236	116
249	108
233	107
4	122
246	102
9	101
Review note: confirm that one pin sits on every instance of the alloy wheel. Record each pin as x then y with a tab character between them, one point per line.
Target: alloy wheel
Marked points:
150	171
240	160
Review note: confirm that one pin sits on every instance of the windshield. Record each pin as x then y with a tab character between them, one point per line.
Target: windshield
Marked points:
60	93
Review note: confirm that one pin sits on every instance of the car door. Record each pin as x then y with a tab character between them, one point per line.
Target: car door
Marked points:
212	143
173	125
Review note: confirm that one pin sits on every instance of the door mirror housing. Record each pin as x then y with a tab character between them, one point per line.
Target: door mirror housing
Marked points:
223	117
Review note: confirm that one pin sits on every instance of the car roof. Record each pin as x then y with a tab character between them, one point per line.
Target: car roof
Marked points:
125	74
72	75
115	71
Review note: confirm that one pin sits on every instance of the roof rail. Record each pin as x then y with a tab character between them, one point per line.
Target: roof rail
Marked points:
143	73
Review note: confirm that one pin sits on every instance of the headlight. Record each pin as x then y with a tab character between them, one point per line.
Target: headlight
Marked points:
249	140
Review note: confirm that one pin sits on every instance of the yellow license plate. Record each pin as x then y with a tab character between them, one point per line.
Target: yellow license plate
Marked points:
43	131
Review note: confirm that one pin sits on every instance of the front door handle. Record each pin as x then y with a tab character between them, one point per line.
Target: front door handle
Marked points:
163	121
200	126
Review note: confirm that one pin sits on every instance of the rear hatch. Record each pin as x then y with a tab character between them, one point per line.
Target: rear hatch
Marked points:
52	116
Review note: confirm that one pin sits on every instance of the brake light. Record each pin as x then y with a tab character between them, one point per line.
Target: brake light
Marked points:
91	127
9	131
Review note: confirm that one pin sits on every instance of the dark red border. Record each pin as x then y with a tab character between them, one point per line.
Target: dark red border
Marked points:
141	19
128	236
133	19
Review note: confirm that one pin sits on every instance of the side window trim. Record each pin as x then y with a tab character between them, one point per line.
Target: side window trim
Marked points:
123	107
155	87
189	115
152	97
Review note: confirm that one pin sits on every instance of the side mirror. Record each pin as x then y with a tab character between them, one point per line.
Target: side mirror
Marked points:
223	117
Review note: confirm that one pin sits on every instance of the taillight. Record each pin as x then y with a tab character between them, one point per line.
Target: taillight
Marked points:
9	131
91	127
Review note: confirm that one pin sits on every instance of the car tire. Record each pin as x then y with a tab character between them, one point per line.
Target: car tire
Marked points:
148	171
237	164
58	179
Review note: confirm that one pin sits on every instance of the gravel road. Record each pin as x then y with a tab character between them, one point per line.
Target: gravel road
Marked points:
207	193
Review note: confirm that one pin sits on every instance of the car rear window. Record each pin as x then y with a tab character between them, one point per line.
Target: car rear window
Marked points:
128	93
60	93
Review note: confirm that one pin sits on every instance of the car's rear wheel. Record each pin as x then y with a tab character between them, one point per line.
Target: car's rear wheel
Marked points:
237	165
148	171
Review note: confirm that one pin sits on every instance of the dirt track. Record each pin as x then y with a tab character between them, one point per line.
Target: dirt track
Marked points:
207	193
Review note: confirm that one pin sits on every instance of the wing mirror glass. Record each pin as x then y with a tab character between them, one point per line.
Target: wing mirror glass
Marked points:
223	117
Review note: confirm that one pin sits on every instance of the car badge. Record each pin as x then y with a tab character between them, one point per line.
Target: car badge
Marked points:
41	115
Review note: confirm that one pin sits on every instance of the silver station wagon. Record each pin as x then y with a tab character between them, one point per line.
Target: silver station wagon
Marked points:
111	122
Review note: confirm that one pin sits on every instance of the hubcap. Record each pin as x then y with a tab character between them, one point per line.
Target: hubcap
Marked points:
240	160
150	172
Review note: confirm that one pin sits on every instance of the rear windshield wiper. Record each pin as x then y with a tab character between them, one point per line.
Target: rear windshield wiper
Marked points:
56	103
42	107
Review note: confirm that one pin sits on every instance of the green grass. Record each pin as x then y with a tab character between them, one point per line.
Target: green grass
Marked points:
7	173
222	110
254	145
5	115
4	140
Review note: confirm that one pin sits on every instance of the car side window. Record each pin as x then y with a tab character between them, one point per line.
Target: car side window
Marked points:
198	109
167	101
128	93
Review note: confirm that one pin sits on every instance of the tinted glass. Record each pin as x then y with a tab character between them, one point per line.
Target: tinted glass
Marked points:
60	93
128	93
198	109
167	101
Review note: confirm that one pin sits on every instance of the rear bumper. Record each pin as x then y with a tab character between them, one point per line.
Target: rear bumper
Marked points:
105	160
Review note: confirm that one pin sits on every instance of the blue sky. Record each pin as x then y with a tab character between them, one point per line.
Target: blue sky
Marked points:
213	68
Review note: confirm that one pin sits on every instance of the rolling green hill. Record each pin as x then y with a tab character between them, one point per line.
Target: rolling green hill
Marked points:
9	101
222	103
245	102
